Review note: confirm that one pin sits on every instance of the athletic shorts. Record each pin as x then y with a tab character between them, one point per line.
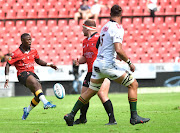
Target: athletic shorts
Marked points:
104	70
86	81
22	77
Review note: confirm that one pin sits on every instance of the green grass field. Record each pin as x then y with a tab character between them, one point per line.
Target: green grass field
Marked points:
163	109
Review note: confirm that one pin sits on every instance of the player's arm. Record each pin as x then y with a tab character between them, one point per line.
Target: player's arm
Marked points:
122	54
6	75
81	60
43	63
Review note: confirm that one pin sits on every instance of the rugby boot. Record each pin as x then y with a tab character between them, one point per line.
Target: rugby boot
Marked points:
49	105
25	114
80	121
138	120
69	118
112	123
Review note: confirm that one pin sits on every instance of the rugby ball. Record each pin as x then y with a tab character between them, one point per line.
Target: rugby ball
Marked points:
59	91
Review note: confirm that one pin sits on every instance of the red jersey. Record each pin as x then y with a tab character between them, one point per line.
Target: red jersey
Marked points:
89	50
23	61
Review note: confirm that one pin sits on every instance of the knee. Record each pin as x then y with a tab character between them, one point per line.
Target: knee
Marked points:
102	96
135	84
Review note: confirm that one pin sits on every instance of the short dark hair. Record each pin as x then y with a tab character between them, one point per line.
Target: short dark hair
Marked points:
90	22
116	10
24	35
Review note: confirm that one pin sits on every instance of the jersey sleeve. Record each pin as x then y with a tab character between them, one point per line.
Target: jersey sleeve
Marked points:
36	55
12	59
118	34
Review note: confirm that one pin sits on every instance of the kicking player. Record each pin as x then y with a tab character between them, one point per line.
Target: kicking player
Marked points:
104	66
23	59
90	51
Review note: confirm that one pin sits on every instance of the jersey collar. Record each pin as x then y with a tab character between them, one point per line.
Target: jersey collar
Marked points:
92	35
22	50
112	20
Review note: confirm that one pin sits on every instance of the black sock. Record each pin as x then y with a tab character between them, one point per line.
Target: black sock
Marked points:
133	114
83	111
109	110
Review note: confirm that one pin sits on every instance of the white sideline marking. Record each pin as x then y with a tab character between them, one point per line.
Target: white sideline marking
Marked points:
158	90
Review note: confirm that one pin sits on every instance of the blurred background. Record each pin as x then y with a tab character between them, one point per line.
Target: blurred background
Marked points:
152	42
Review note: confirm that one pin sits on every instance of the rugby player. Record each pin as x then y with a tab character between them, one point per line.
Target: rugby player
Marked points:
104	66
90	50
23	59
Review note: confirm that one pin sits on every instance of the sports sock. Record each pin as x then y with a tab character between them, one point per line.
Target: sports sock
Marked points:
79	104
109	110
40	95
133	104
32	105
83	111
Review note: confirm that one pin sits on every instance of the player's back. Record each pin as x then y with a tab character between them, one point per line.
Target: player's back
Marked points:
111	33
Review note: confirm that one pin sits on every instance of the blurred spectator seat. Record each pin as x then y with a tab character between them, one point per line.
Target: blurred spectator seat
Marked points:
41	23
30	23
169	10
31	13
52	13
51	23
42	13
9	24
2	14
10	14
21	14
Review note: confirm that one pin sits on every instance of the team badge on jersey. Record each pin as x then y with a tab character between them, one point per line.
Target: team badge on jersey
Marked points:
105	29
10	58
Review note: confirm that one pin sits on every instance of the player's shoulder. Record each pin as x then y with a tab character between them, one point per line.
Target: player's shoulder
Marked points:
33	49
96	36
116	27
16	53
85	40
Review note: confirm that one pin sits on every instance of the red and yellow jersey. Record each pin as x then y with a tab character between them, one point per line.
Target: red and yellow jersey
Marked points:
89	50
23	61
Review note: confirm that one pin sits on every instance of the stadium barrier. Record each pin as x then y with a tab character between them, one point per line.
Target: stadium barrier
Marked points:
148	75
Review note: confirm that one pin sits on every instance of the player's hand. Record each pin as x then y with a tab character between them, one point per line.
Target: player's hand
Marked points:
6	84
132	67
77	62
53	66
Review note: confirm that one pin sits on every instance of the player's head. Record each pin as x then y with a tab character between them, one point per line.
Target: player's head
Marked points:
26	40
116	11
89	26
84	2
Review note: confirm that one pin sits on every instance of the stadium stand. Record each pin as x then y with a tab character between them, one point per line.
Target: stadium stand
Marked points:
58	37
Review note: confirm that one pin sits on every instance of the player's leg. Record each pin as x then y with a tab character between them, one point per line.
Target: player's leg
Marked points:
103	95
35	87
77	15
83	110
95	85
33	104
127	80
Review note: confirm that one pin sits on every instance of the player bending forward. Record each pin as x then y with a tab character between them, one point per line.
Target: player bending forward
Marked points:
104	66
23	59
89	55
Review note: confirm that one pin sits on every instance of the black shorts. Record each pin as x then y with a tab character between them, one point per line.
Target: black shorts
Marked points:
86	81
22	77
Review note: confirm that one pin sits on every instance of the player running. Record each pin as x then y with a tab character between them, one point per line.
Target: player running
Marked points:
104	66
23	59
90	50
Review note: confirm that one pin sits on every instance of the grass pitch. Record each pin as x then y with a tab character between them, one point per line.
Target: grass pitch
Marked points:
163	110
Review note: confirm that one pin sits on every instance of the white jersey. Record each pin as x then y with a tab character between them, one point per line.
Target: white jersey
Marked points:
111	33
